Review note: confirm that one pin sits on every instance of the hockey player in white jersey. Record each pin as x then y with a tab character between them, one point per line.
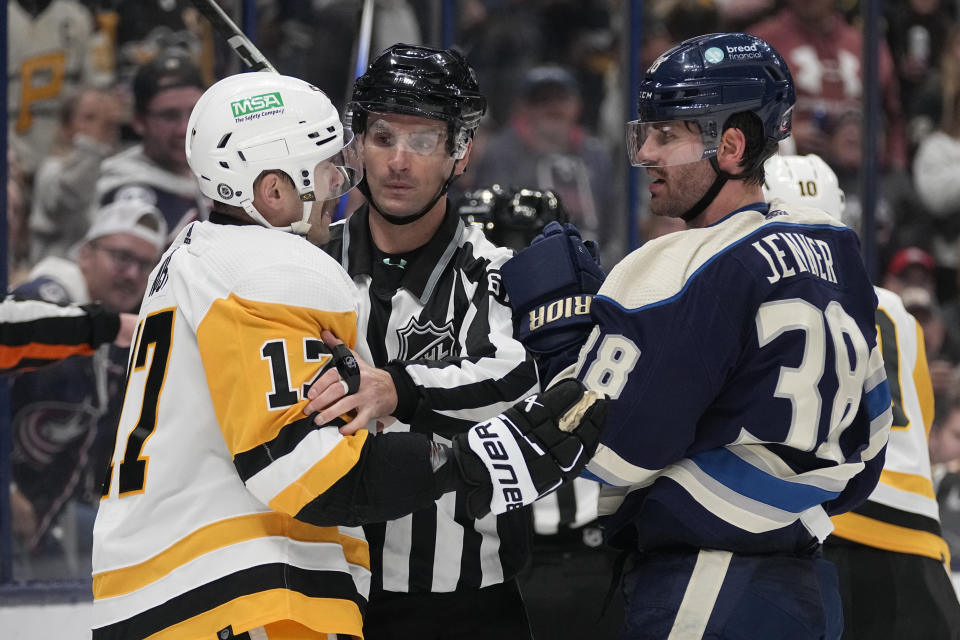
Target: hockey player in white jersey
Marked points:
891	557
226	512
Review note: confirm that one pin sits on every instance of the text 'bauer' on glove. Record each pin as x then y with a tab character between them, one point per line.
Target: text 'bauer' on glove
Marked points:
529	450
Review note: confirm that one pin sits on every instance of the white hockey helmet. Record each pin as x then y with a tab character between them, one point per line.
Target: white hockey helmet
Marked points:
249	123
804	180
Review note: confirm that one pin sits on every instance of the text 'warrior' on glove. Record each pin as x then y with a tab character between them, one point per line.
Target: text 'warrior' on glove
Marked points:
529	450
550	285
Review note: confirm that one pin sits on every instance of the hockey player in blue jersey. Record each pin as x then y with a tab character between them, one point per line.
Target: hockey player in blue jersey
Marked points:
750	399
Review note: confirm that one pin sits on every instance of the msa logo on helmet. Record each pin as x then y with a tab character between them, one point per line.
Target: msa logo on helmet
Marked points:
254	106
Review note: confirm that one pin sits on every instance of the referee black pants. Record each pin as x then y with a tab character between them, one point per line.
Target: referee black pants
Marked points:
492	612
893	596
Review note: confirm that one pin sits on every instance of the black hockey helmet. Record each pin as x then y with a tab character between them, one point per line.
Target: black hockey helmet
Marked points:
425	82
511	216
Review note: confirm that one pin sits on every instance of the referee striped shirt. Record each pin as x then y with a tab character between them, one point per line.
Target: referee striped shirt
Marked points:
34	333
438	321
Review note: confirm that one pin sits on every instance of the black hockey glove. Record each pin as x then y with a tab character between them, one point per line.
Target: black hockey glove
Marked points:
529	450
550	285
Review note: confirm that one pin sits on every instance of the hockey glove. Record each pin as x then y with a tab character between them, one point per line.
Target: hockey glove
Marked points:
529	450
550	285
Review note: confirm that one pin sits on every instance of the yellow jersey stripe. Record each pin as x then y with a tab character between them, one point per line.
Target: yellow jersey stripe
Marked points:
884	535
217	535
909	482
922	382
322	475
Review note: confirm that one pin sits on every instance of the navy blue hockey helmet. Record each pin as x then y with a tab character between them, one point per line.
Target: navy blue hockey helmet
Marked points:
511	216
705	80
425	82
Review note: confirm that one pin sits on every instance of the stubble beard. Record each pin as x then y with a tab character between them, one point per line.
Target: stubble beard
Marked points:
685	185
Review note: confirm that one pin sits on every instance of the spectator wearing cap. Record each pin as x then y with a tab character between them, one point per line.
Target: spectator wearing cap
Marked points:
910	267
544	144
155	170
64	415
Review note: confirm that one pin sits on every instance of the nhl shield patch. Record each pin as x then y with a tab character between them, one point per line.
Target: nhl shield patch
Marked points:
425	341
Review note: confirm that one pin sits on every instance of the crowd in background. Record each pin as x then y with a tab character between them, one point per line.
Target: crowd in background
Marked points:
100	92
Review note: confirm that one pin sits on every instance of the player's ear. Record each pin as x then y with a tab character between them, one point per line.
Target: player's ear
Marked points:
730	151
269	190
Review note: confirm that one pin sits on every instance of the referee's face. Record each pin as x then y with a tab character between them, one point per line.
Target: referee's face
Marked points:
406	161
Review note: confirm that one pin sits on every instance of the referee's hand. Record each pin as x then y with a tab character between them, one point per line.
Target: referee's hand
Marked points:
375	398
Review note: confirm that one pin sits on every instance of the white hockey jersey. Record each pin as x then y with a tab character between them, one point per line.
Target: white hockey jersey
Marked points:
213	456
46	54
902	513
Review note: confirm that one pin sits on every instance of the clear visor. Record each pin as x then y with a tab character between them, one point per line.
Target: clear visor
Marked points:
339	173
422	140
667	143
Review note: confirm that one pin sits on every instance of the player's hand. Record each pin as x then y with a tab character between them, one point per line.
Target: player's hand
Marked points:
375	398
550	285
531	449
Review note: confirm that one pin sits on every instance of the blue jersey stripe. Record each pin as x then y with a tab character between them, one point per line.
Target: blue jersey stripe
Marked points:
586	474
878	399
747	480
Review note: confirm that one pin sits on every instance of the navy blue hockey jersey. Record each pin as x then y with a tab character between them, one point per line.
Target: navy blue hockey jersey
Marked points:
751	396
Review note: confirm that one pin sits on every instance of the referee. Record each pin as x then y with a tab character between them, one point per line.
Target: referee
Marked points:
440	334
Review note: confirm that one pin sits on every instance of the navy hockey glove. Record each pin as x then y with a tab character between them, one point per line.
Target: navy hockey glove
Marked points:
550	285
529	450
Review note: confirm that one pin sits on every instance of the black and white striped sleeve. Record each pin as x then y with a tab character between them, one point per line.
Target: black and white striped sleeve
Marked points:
491	372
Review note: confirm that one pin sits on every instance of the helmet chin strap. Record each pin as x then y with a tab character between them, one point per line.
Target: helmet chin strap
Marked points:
708	197
302	226
401	220
299	227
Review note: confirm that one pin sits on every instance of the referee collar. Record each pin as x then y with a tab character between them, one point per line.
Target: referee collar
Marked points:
421	275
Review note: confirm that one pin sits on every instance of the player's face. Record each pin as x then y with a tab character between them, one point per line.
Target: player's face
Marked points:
674	190
405	161
164	127
329	184
116	268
